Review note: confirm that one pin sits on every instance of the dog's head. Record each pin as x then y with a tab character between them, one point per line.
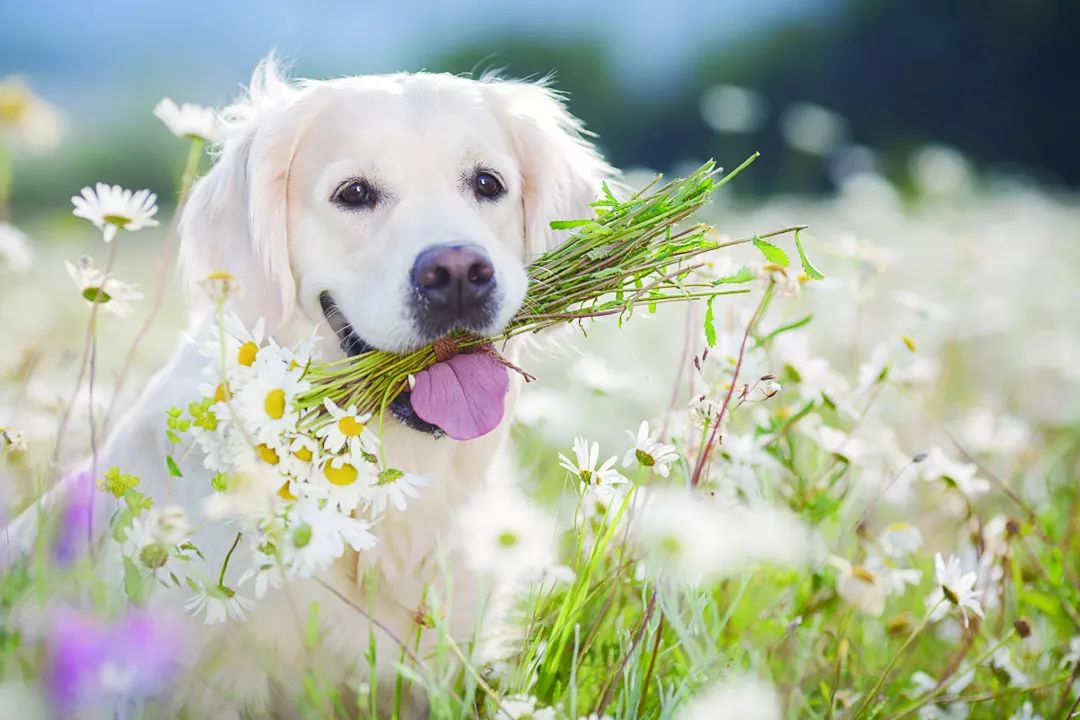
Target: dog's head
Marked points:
396	207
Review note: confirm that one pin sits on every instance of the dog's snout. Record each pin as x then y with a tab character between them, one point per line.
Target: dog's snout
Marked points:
458	277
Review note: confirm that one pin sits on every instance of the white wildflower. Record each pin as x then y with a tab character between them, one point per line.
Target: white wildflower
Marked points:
111	208
584	465
1072	658
218	604
346	481
391	488
900	539
220	285
114	296
12	440
1026	712
649	452
505	534
861	588
193	122
736	699
954	588
16	253
266	403
347	429
27	119
690	539
1002	660
318	536
895	578
523	707
937	465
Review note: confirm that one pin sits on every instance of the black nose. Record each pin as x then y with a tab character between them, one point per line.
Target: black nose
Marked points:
454	280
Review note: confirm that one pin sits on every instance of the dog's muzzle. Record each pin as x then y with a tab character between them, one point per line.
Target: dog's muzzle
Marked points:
352	345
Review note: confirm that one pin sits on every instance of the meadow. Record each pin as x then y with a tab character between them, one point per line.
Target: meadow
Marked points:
850	492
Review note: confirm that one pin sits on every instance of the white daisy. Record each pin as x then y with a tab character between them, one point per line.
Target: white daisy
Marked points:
1026	712
900	539
347	429
938	465
895	577
266	403
690	539
242	348
391	487
111	208
16	253
111	294
523	707
648	452
219	604
861	588
584	465
13	440
265	573
735	699
193	122
506	535
319	534
1072	658
954	588
303	456
345	480
220	285
26	119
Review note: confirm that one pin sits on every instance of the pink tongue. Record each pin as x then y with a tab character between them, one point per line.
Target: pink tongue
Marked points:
463	395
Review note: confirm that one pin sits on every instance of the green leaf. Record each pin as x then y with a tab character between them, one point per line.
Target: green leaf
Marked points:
568	224
742	275
710	326
135	586
807	267
173	437
311	631
772	253
786	328
174	469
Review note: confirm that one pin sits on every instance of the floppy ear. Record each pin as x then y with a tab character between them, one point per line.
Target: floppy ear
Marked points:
561	169
236	218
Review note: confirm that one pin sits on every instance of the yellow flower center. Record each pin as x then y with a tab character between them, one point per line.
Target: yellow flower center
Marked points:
221	393
246	355
267	454
119	221
349	426
275	403
284	493
344	475
303	454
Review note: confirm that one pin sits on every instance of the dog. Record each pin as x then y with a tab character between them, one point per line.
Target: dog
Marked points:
388	209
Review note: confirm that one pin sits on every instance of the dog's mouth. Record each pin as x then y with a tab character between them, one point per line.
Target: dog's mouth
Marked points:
462	396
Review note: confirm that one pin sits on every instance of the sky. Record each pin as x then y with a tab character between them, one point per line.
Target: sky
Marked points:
91	56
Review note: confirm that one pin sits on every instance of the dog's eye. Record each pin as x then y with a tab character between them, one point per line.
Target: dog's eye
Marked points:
486	185
356	194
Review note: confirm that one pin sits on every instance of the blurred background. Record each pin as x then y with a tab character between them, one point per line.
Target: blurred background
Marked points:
930	145
822	87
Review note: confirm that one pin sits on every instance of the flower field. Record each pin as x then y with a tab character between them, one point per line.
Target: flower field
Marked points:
847	492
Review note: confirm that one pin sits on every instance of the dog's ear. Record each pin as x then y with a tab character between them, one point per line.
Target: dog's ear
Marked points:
236	217
561	169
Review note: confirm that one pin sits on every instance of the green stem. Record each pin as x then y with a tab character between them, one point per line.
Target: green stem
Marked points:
892	662
225	565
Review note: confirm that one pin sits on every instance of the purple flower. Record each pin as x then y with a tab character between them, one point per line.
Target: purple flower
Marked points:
92	663
76	518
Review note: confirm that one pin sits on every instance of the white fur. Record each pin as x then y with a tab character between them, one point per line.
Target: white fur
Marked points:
263	212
